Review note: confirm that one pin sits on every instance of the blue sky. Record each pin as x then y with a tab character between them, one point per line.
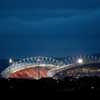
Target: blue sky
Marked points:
49	27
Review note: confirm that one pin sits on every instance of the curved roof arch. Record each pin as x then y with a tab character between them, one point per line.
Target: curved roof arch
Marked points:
31	62
55	64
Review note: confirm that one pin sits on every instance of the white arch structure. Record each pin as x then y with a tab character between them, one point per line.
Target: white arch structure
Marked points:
31	62
54	64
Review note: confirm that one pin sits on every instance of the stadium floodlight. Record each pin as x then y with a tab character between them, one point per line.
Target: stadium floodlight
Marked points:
10	60
80	61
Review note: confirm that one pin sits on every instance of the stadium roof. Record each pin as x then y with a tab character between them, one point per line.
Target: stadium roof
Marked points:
55	64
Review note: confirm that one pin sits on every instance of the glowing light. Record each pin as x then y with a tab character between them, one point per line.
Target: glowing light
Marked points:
10	60
80	61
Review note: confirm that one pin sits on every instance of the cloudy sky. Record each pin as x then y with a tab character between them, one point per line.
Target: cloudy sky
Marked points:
49	27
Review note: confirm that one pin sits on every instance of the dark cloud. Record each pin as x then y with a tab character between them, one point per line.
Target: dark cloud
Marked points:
49	32
49	27
50	22
22	4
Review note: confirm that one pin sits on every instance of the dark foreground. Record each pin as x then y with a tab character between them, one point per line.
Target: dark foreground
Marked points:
87	86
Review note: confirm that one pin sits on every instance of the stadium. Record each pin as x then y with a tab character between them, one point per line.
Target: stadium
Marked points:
52	67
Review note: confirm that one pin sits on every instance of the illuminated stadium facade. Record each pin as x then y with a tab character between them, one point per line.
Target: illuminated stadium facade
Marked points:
57	68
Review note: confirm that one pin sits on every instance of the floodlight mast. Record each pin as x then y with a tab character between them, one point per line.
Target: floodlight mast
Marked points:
10	61
80	61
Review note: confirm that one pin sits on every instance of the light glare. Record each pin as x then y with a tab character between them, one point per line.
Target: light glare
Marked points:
80	61
10	60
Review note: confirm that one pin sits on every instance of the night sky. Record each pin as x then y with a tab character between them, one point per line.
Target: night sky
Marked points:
49	27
